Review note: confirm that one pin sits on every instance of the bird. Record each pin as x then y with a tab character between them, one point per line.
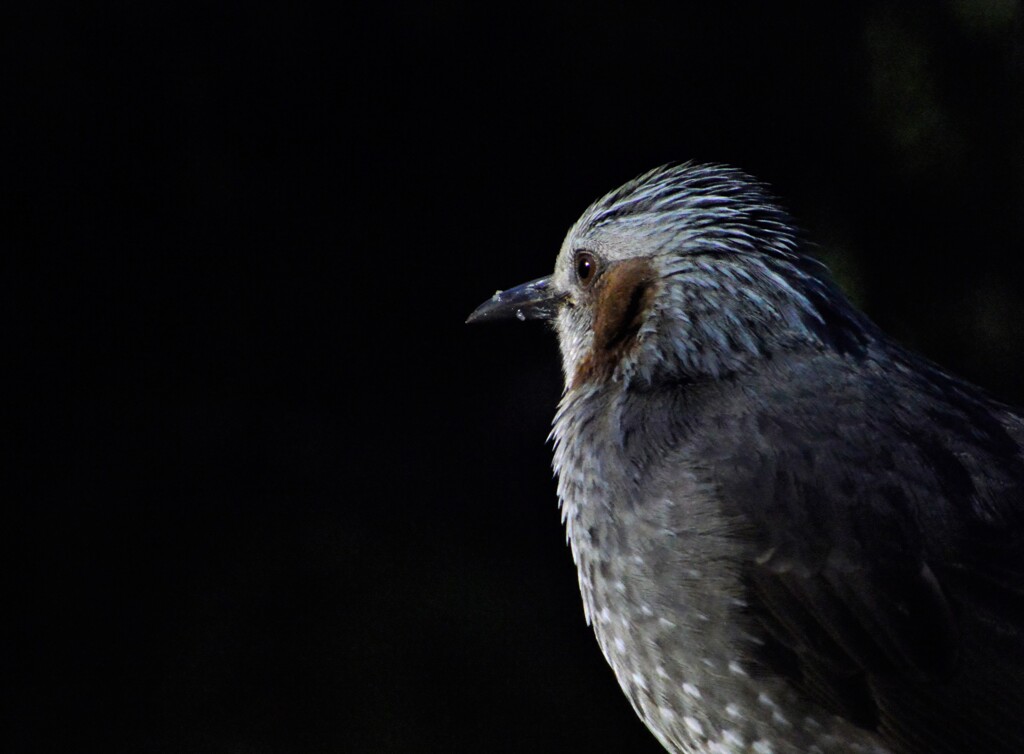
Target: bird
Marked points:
791	533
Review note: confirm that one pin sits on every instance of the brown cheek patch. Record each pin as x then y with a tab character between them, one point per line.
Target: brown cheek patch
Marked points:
621	299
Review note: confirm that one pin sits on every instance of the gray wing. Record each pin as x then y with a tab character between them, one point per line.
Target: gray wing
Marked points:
887	572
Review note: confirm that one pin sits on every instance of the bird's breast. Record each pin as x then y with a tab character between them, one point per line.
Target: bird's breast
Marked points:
660	573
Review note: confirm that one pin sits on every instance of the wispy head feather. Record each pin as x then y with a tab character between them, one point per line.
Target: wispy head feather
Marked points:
689	206
733	286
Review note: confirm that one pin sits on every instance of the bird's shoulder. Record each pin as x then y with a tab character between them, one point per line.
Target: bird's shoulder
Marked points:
883	504
817	451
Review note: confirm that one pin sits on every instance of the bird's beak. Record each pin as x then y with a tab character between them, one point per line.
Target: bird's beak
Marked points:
534	300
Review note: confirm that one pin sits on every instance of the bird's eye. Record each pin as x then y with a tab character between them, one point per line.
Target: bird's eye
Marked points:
586	268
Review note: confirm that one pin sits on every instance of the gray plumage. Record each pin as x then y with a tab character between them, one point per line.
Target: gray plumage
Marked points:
792	535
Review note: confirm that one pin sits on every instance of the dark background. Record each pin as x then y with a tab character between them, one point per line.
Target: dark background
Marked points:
270	494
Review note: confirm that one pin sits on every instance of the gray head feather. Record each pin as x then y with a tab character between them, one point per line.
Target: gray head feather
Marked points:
740	288
696	207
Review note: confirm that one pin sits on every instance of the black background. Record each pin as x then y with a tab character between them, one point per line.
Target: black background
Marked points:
270	494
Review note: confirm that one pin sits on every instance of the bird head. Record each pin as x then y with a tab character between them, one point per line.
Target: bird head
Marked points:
687	272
